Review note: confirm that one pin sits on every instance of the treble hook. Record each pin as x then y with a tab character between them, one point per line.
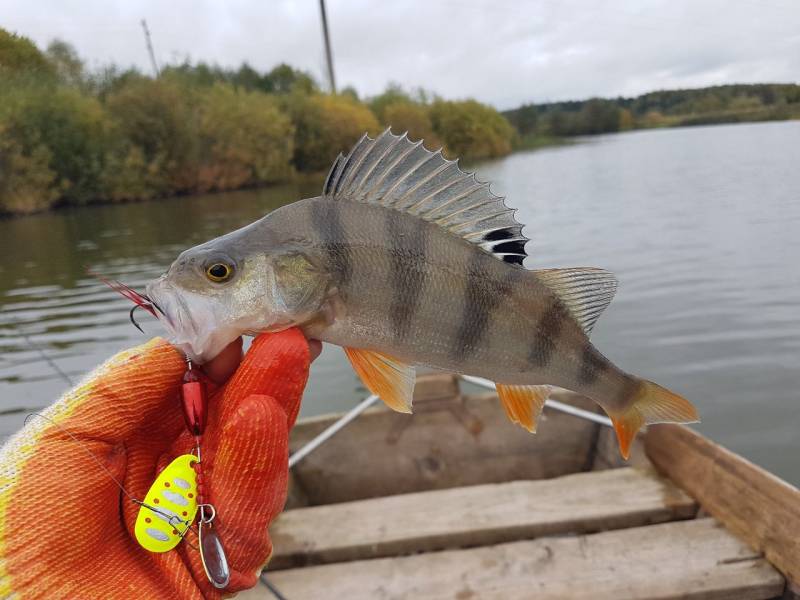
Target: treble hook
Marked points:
139	300
133	320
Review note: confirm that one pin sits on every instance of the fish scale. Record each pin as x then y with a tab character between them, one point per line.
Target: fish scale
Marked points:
407	260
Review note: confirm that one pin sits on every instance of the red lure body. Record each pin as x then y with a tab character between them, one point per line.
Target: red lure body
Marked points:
194	402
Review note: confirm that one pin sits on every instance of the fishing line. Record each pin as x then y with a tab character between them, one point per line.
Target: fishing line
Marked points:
139	300
169	517
47	359
194	404
194	401
173	520
271	587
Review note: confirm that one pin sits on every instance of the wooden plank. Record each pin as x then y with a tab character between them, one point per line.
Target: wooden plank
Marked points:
792	592
435	386
429	387
697	559
757	506
446	443
477	515
296	495
607	454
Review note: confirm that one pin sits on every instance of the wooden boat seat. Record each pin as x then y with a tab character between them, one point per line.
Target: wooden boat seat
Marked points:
455	502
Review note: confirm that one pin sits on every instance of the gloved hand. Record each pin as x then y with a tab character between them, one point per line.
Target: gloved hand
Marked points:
66	528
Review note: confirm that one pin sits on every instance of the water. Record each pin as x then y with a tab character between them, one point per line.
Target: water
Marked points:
701	225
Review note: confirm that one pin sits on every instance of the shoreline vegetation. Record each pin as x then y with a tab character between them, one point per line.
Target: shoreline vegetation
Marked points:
70	136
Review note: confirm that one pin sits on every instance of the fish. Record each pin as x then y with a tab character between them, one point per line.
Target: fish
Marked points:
406	260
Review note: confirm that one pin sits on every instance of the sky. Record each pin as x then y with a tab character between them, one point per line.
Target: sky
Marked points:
500	52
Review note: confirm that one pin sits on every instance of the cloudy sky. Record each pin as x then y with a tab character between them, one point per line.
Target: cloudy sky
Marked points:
498	51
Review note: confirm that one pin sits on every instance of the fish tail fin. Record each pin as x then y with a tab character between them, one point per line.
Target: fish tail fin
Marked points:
649	403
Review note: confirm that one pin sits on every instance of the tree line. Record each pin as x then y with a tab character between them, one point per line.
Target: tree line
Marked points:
71	136
670	108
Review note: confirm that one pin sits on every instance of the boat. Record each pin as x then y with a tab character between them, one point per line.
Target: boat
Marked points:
456	502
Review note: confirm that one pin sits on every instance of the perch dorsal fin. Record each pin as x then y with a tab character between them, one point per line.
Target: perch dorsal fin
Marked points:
394	172
585	290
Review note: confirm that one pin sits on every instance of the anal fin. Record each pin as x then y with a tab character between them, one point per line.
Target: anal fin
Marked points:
386	377
523	403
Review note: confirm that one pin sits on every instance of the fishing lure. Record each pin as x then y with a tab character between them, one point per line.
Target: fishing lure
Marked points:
179	493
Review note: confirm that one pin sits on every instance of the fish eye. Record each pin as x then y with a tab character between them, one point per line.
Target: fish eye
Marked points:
219	272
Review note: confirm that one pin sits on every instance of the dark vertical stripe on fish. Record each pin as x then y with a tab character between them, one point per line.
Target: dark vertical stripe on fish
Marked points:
326	218
592	365
547	330
482	297
409	241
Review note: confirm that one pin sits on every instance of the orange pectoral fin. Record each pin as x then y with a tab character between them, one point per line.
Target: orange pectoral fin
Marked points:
384	376
523	403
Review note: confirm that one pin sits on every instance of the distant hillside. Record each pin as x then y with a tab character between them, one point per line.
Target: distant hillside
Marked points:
668	108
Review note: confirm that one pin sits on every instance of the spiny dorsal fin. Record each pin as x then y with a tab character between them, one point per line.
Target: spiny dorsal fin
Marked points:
586	291
394	172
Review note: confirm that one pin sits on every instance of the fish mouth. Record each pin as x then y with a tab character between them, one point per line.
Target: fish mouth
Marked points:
191	320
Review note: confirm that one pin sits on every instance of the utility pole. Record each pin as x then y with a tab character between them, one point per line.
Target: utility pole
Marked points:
328	54
150	48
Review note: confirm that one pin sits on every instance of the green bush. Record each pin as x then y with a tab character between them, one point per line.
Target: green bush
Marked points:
394	94
71	126
157	123
19	57
26	180
66	63
325	126
178	138
471	130
413	118
246	137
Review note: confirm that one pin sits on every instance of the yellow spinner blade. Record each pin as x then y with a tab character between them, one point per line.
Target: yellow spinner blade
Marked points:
170	506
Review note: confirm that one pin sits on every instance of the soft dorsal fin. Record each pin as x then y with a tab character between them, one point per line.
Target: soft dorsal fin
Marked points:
586	291
394	172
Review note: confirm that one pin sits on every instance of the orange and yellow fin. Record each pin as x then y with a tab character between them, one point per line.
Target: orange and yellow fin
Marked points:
386	377
651	404
523	403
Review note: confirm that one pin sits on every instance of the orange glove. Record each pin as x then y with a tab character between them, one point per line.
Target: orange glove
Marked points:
66	528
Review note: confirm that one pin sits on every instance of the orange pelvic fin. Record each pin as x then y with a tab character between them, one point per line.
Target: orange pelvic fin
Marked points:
523	403
384	376
651	404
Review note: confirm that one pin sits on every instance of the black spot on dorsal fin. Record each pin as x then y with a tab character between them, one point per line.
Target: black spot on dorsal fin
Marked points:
499	234
507	244
515	247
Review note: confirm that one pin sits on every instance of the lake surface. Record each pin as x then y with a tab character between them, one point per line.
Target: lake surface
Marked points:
701	226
